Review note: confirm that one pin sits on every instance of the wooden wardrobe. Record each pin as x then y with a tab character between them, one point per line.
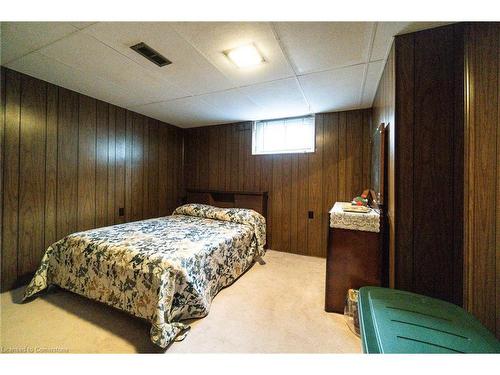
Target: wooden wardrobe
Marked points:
439	97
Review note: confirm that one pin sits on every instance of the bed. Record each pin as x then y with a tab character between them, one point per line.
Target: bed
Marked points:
164	270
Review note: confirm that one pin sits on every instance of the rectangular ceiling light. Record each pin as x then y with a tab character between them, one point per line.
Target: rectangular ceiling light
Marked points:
245	56
150	54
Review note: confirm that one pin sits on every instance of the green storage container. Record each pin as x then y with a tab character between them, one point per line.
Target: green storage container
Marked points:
394	321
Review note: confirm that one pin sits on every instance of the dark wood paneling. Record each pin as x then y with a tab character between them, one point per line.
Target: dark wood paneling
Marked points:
433	184
266	184
68	164
444	228
153	194
331	161
296	183
429	195
51	165
86	162
315	181
111	164
482	222
170	163
294	200
221	180
425	166
242	156
286	180
203	160
128	165
2	147
458	134
137	175
120	163
342	154
164	180
366	155
178	167
31	173
277	202
302	187
10	201
234	156
405	89
145	168
101	164
213	157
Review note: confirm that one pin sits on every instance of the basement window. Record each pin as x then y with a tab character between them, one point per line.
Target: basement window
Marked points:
283	136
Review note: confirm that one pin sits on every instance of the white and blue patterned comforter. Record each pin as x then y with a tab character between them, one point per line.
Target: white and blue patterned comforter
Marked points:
164	270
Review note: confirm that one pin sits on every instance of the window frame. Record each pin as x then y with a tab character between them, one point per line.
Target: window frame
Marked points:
288	151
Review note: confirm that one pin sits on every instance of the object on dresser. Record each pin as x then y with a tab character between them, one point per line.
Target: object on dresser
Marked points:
359	209
365	199
361	200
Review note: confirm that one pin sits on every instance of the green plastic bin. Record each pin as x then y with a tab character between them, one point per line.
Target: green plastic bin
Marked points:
394	321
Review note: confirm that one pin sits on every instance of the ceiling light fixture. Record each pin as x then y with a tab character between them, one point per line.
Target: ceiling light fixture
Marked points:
245	56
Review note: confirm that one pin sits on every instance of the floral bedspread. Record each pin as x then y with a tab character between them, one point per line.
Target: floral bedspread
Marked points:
164	270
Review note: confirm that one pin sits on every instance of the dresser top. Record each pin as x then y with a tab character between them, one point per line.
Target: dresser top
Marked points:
368	222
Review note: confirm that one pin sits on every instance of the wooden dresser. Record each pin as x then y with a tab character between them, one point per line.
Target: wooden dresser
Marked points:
354	257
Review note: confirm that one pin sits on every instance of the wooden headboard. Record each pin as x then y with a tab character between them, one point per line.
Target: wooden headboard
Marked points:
256	201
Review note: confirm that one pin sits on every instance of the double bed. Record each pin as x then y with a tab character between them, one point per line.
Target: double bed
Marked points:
164	270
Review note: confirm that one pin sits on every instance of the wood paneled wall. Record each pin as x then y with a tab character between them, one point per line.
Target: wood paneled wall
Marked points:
445	141
70	162
482	173
421	97
429	163
384	105
220	157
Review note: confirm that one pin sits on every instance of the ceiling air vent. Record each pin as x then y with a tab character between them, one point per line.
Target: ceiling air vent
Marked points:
150	54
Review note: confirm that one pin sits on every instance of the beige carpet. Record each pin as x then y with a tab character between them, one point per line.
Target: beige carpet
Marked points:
274	308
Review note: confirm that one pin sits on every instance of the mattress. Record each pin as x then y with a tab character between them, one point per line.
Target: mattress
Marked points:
164	270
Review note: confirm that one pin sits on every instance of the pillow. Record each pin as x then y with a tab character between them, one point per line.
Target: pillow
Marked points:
243	216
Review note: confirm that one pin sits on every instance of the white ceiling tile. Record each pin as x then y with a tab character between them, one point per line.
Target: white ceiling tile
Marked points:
20	38
189	69
185	112
234	105
213	38
316	46
384	36
202	87
82	25
281	98
37	65
372	79
334	90
92	57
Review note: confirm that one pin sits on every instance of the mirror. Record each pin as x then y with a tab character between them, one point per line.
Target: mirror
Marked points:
378	151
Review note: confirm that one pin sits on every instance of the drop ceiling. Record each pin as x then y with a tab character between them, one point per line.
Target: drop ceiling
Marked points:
310	67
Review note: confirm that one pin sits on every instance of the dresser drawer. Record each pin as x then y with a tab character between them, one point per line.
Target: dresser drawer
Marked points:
353	260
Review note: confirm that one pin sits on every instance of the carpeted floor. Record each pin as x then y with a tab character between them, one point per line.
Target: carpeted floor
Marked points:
273	308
